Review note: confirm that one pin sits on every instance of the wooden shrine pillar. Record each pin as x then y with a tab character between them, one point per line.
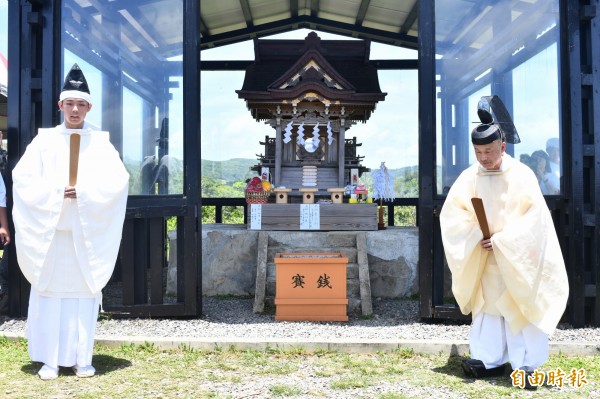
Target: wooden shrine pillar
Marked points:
278	154
341	154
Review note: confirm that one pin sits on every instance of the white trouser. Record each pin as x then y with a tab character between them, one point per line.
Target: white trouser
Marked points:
60	331
492	342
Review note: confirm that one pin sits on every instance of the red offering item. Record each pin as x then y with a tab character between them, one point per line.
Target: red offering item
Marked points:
361	189
255	193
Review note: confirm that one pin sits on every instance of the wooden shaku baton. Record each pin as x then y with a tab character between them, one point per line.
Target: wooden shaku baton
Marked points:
74	158
481	218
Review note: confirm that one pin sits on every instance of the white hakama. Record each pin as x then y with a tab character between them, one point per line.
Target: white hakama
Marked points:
492	342
60	331
61	321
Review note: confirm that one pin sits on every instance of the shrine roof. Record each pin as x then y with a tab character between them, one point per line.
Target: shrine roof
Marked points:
346	59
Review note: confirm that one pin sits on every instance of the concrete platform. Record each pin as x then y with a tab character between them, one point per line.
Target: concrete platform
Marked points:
338	345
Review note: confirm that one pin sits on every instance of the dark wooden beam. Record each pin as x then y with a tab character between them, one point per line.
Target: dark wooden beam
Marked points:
427	153
572	144
394	64
225	65
247	13
594	43
362	12
314	8
241	65
203	28
189	279
410	19
294	8
310	22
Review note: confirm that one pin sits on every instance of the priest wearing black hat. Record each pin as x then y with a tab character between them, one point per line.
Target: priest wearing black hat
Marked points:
514	282
68	229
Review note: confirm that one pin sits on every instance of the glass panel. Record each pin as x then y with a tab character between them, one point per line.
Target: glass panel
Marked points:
502	48
230	136
536	83
131	54
391	134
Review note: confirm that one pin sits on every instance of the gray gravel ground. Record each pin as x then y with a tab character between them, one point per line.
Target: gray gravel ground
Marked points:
233	318
230	318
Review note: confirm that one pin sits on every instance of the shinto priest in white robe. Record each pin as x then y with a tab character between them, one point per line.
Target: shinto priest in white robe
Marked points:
523	279
67	248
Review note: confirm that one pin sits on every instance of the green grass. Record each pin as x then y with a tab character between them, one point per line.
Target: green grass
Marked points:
285	390
146	371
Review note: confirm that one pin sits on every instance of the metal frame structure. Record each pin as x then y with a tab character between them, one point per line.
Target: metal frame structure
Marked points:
35	69
581	125
35	79
575	211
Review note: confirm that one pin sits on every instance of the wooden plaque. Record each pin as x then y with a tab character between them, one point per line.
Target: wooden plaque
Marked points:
481	218
74	158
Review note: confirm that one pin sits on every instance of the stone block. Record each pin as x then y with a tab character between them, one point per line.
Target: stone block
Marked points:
229	258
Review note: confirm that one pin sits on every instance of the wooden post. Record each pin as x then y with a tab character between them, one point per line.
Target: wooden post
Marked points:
278	154
341	155
380	223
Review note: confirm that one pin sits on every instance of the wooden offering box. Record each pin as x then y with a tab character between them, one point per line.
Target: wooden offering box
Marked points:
281	195
308	195
337	195
330	217
310	287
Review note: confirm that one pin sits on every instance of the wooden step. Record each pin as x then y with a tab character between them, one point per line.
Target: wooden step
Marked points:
349	252
315	239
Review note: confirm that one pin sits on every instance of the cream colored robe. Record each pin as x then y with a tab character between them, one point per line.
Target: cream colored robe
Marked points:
524	278
95	218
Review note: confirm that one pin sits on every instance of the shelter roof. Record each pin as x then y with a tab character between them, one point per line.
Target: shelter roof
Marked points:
387	21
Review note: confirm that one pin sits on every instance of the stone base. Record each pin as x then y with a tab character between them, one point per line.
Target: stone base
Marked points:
229	258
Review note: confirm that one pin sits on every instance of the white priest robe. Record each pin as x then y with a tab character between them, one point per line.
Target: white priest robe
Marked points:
523	279
67	248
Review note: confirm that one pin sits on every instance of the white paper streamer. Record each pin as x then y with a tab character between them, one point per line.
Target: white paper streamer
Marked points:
287	137
329	133
315	138
301	134
383	184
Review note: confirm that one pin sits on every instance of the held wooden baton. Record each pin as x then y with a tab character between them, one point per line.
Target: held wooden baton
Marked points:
74	158
481	218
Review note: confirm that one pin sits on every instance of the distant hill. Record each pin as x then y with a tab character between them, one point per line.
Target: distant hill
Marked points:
401	172
232	170
238	170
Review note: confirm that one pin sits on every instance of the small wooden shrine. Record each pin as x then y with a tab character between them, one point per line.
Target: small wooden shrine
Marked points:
311	92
